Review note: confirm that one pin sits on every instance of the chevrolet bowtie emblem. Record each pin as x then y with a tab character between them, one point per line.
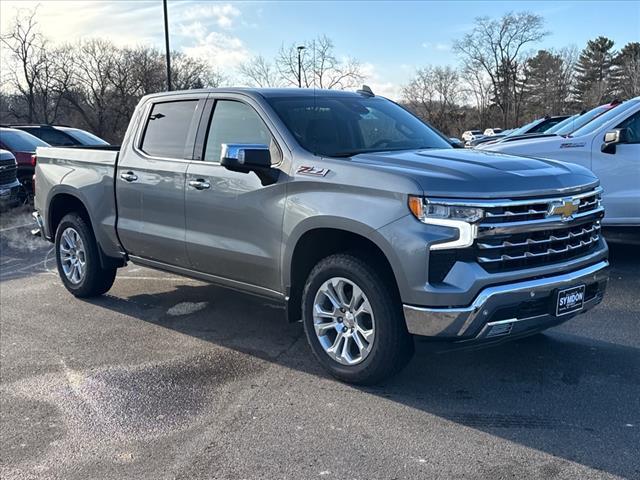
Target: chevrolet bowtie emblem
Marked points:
565	208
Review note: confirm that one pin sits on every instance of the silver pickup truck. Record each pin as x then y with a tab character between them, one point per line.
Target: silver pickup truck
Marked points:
346	209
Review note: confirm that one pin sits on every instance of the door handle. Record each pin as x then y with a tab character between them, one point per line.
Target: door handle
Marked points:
199	184
129	176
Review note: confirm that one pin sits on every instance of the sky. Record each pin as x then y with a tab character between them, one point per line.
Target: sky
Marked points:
390	39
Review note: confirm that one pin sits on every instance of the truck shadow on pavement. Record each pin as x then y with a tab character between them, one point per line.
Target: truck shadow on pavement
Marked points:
567	395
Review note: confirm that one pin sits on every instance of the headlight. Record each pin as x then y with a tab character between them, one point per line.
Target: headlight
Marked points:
448	215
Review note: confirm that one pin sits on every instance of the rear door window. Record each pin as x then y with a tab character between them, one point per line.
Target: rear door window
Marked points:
168	128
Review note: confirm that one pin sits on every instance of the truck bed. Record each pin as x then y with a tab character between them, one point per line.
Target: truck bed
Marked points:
86	173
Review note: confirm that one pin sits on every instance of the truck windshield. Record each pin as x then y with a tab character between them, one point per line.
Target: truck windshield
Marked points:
582	120
343	126
602	119
567	121
525	128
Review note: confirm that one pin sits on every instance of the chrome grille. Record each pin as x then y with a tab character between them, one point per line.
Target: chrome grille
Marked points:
524	234
8	171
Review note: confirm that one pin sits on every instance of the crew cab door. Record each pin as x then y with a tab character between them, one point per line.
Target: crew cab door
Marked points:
233	222
150	180
619	173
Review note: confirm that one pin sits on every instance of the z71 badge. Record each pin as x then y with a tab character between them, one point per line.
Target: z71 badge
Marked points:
311	170
572	145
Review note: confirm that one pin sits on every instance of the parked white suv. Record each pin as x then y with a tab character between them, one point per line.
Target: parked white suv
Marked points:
471	135
610	147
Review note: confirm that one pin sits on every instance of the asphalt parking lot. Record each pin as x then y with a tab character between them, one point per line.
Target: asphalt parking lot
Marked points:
167	377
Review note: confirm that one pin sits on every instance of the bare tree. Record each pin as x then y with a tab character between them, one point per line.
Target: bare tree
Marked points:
476	85
148	70
498	46
434	94
319	66
94	63
26	46
260	72
189	72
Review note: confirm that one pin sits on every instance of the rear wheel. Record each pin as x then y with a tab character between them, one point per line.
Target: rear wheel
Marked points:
78	259
353	321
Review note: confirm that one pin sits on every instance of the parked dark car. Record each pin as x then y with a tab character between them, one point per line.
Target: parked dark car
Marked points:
61	136
9	184
23	147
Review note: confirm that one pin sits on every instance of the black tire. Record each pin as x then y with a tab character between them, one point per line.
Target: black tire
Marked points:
96	280
392	346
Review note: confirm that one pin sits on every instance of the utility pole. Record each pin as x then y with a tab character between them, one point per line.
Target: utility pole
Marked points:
166	43
300	48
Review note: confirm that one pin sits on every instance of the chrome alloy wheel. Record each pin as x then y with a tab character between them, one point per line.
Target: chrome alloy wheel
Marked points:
343	321
72	255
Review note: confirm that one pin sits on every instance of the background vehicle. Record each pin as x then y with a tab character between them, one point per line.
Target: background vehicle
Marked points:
9	184
345	208
610	146
23	147
471	135
567	121
487	138
61	136
536	128
581	120
492	131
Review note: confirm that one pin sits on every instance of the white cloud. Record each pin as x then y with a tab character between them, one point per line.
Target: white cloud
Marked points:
220	50
124	23
199	30
223	14
198	35
379	85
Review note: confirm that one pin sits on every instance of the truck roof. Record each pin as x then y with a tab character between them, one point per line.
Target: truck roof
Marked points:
264	92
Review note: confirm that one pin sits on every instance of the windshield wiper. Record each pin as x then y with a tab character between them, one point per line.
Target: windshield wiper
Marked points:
345	154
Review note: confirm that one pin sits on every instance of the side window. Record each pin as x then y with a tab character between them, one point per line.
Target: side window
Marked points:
632	124
167	129
236	122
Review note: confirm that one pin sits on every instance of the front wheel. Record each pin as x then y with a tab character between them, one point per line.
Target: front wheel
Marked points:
78	259
354	322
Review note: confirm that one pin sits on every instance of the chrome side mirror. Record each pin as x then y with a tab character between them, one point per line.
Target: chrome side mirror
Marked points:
612	138
249	157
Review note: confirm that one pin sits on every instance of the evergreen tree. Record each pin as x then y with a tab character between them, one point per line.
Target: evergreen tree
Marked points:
548	83
594	82
627	71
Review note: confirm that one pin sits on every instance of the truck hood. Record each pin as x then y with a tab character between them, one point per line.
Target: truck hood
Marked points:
462	173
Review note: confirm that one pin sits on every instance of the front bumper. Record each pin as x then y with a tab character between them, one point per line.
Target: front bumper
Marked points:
9	195
514	308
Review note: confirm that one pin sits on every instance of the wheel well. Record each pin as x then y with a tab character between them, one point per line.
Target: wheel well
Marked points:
320	243
64	203
60	206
